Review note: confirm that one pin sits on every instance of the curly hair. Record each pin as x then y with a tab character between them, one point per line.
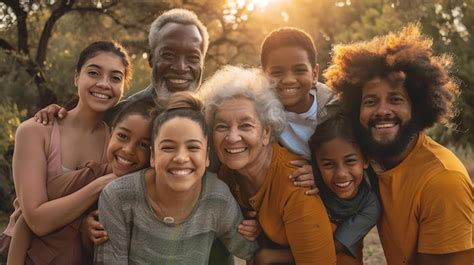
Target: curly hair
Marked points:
234	82
288	36
405	56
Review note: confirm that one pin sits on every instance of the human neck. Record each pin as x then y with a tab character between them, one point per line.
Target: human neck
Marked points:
169	203
253	175
84	119
303	106
393	161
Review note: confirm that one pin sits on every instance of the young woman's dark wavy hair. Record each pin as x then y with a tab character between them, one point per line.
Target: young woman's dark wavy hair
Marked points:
405	57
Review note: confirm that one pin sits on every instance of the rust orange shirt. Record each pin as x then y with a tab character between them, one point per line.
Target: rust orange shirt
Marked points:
427	202
287	216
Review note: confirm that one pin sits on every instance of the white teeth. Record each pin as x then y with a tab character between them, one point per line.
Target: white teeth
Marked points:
124	161
100	95
178	81
186	171
235	150
343	184
385	125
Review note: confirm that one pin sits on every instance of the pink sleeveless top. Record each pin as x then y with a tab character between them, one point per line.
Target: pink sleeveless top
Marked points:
62	246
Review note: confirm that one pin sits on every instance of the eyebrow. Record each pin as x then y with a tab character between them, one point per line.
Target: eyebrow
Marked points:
98	66
188	141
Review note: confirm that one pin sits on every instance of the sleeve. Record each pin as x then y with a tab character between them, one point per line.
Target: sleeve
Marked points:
352	230
114	250
227	231
308	229
446	214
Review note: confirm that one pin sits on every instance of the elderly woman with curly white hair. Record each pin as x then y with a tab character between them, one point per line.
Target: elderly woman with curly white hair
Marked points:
246	119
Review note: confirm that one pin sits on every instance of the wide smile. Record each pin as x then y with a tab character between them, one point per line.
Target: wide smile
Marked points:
343	184
288	91
234	151
178	83
123	161
180	171
100	95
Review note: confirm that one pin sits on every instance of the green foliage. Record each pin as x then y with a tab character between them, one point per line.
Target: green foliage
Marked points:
10	118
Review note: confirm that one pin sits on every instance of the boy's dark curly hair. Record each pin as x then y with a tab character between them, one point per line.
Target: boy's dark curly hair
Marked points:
406	56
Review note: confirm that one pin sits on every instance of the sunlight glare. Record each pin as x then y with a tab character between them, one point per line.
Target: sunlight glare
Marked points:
236	11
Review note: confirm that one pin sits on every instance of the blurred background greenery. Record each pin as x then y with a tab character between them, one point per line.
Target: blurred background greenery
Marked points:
40	42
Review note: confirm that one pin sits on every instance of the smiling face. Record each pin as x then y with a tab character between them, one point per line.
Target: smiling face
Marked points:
129	146
238	134
291	69
342	165
177	59
385	111
180	155
101	81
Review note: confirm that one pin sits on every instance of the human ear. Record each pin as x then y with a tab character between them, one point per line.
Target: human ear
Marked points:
76	76
208	160
150	57
267	132
152	158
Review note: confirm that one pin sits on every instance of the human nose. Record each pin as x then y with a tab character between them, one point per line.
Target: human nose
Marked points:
383	109
233	136
288	78
103	82
179	64
341	171
181	156
129	148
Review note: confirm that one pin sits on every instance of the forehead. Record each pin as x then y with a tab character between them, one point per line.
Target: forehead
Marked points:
180	129
381	86
236	108
288	55
180	35
107	61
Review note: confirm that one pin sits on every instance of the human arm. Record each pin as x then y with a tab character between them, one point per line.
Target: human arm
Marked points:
445	220
354	229
29	166
47	114
303	176
112	216
227	232
20	242
308	229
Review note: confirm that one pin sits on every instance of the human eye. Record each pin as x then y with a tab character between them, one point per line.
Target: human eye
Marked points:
122	136
327	164
368	102
194	58
351	161
396	99
276	73
301	70
194	148
246	126
220	127
144	145
167	148
167	55
93	73
116	78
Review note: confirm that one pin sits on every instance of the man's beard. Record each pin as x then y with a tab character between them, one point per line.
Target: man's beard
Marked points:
378	150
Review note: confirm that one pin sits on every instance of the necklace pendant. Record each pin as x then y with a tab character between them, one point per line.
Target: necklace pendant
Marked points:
168	220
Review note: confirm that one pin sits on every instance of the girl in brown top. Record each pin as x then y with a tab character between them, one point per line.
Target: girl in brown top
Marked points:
246	119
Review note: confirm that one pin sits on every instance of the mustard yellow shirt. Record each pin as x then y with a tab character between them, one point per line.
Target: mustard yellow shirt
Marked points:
427	202
287	216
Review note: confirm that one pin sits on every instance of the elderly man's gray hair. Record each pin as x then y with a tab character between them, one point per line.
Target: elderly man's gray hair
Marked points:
180	16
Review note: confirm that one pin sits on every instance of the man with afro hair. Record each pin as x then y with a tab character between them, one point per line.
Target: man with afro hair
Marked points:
394	88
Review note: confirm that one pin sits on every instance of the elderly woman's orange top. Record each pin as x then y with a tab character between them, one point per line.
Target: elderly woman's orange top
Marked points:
287	216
